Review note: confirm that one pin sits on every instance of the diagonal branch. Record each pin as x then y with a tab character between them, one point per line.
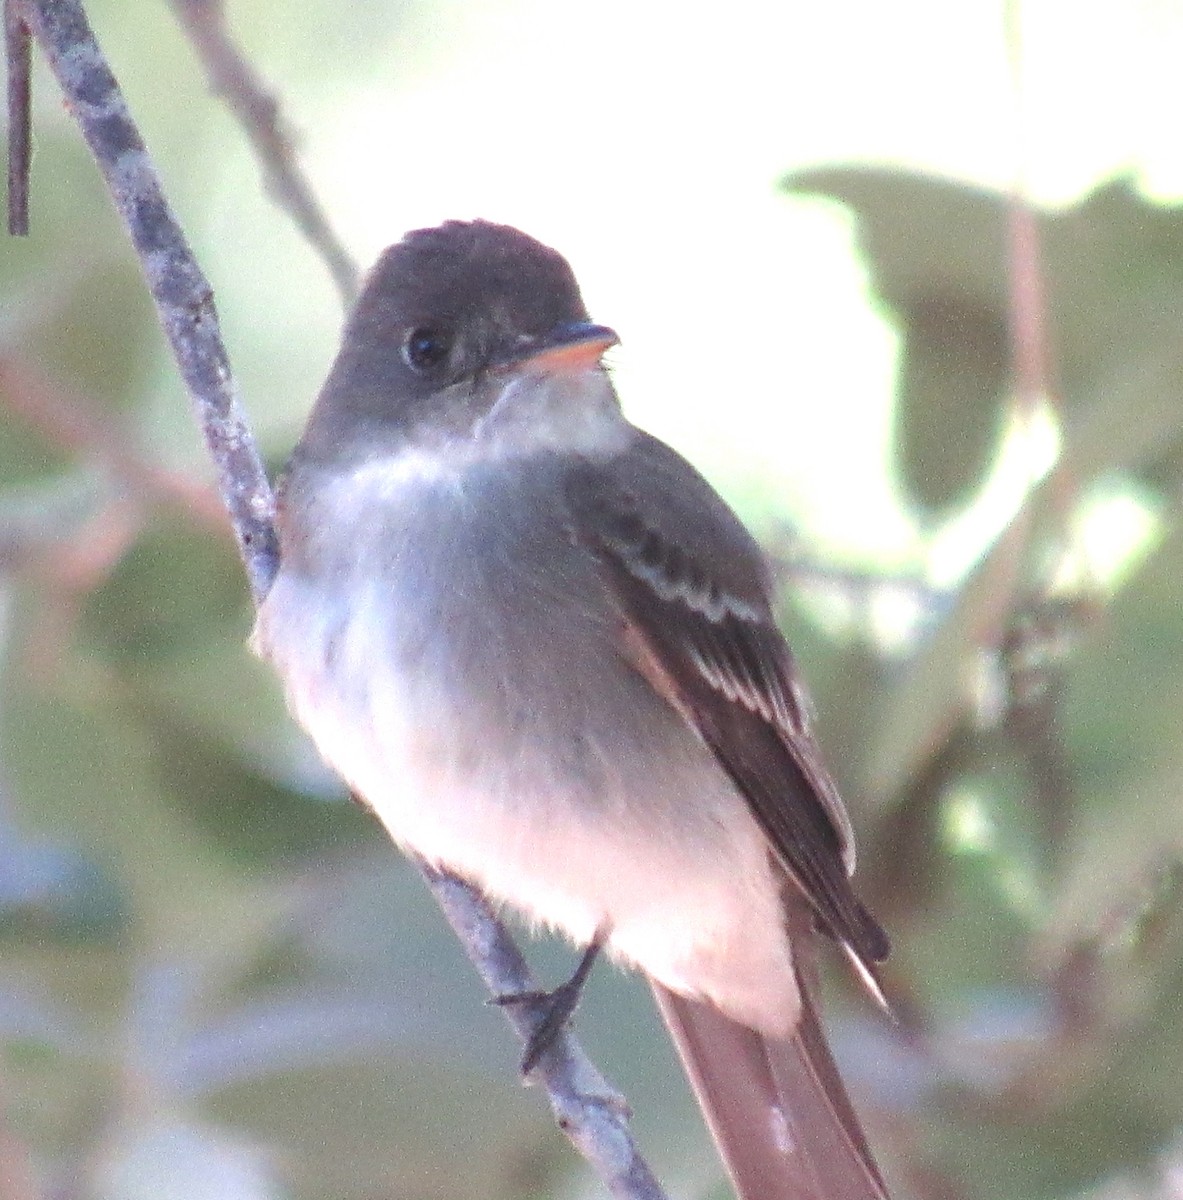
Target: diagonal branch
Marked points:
182	295
587	1108
75	424
589	1111
257	111
1032	651
19	58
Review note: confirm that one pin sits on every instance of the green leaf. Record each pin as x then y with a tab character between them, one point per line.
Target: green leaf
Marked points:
951	398
1112	268
937	253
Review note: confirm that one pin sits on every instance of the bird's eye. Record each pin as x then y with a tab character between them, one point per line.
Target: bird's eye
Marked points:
425	348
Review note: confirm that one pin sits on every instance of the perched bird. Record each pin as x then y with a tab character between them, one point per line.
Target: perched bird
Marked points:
535	641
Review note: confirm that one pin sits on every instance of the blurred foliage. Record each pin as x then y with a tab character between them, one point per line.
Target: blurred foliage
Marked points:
218	979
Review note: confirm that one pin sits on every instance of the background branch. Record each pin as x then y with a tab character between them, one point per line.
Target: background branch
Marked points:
1031	649
76	424
257	111
17	52
591	1113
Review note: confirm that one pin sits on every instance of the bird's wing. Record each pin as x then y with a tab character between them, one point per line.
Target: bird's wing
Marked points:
694	593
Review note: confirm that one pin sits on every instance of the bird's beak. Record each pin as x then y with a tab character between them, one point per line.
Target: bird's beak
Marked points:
573	347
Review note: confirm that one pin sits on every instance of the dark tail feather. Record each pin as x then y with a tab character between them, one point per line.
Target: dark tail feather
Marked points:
778	1110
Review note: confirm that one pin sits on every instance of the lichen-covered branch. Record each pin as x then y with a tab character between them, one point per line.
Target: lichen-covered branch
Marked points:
182	295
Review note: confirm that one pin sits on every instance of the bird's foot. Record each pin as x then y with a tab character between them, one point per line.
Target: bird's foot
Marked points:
552	1010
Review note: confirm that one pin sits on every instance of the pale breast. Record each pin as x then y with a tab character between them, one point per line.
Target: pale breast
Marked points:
460	624
457	661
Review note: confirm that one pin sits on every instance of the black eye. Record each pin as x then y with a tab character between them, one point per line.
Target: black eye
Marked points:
425	348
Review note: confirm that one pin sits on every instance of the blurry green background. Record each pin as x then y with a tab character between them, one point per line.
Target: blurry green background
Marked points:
218	980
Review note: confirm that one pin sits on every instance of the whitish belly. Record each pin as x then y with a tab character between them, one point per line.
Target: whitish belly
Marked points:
492	724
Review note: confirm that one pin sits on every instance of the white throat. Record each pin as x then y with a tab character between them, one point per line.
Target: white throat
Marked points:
565	411
533	414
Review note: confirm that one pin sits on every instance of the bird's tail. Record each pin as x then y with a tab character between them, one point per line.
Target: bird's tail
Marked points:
777	1109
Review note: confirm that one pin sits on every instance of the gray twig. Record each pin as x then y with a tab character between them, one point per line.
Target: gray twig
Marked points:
183	297
589	1111
234	79
17	53
587	1108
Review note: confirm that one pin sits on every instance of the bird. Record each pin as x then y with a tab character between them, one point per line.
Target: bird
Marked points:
541	648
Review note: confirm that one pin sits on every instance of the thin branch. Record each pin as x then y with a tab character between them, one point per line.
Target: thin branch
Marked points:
587	1109
1030	354
1027	300
257	110
1032	650
69	569
70	422
182	294
19	57
1033	362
